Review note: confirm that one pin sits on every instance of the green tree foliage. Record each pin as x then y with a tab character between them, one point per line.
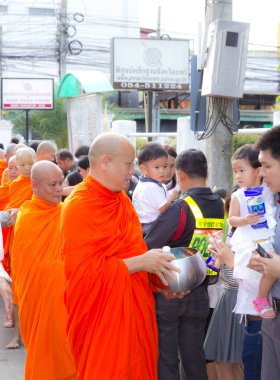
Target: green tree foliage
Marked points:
239	140
44	124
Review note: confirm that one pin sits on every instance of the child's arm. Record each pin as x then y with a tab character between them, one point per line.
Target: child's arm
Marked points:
174	194
235	220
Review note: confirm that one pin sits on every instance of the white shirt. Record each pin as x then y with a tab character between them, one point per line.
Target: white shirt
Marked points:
148	197
243	244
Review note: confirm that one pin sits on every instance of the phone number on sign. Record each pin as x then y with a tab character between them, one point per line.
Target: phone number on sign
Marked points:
152	86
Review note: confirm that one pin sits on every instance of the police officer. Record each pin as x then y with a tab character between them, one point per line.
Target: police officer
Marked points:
186	222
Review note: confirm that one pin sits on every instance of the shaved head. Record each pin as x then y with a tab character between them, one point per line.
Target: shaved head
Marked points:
46	181
25	158
110	144
13	169
21	145
25	152
10	151
42	168
111	159
46	151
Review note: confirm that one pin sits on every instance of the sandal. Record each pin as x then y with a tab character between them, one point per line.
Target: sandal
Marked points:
264	308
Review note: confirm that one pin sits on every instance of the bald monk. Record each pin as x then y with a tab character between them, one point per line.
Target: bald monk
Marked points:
111	326
10	151
39	279
4	199
13	173
19	191
46	150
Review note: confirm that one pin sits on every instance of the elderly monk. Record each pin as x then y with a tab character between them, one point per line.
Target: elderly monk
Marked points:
39	279
46	151
19	191
111	326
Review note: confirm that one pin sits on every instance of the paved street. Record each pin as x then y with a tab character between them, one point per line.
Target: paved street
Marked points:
11	361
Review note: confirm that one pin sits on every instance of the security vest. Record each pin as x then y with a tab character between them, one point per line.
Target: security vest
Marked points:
203	227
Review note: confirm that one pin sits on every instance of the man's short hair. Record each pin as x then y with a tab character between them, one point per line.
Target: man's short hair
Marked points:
270	140
63	154
14	140
83	162
193	162
83	150
149	152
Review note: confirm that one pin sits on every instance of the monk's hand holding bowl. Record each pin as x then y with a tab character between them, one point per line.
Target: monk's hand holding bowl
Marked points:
157	262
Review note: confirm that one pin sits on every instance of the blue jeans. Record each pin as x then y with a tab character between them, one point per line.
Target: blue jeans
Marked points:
252	351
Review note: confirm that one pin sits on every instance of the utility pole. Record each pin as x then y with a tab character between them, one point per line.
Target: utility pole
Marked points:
219	146
152	96
63	43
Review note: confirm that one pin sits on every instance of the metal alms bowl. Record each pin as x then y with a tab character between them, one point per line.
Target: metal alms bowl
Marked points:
193	270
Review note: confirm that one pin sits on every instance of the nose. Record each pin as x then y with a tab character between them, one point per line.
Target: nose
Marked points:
262	172
132	170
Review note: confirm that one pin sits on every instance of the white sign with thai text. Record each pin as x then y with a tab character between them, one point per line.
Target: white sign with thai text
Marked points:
150	64
27	94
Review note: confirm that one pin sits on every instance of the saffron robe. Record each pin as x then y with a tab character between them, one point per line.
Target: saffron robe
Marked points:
39	284
3	166
111	327
5	177
19	191
4	195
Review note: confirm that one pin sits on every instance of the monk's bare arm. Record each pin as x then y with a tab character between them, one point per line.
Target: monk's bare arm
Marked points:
153	261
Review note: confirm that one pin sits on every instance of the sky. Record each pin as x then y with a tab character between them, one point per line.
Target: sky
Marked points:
180	18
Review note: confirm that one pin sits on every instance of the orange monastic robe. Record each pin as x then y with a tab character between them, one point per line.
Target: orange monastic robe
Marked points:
19	191
4	195
39	283
3	166
111	326
5	177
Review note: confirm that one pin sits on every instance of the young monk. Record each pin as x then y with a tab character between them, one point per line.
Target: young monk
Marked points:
111	325
19	191
46	151
39	279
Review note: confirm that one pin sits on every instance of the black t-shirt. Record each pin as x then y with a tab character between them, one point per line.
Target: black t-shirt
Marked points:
167	223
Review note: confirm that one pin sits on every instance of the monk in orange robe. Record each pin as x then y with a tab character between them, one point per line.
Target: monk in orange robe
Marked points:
111	325
10	151
4	189
3	164
19	191
39	279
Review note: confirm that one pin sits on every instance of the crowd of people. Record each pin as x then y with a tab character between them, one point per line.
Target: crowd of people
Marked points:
82	247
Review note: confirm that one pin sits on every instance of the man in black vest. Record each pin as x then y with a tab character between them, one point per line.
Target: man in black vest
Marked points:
182	321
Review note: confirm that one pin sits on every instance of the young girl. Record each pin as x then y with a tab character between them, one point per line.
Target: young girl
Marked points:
246	169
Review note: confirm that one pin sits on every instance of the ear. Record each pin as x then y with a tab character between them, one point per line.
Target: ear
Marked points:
34	186
105	159
143	169
181	175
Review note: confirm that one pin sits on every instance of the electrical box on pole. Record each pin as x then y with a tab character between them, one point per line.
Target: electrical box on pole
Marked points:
225	59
